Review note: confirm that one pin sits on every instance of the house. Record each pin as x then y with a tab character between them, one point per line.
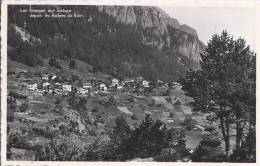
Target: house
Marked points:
45	77
160	83
46	85
21	74
67	88
87	85
119	87
115	82
53	77
146	84
103	87
82	91
32	87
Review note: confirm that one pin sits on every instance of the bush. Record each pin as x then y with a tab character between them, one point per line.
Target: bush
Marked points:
15	139
17	95
208	151
23	107
188	123
53	62
10	115
134	117
61	149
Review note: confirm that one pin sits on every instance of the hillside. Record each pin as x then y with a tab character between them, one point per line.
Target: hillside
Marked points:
120	41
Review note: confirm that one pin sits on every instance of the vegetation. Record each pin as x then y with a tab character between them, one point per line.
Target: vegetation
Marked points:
225	87
149	138
120	51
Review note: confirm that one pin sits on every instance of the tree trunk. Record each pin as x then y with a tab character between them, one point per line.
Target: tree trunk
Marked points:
225	133
238	135
227	141
239	128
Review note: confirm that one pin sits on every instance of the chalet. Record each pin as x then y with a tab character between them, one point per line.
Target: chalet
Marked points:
82	91
57	84
67	88
53	77
32	87
103	87
119	87
160	83
21	74
46	84
115	82
129	81
45	77
39	91
87	85
146	84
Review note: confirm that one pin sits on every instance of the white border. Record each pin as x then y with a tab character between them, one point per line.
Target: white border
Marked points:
254	4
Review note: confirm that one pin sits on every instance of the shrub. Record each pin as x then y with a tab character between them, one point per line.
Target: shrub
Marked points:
95	109
208	150
187	122
10	115
23	107
15	139
134	117
60	149
17	95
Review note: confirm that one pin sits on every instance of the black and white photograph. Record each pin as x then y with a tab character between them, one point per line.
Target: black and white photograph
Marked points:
129	83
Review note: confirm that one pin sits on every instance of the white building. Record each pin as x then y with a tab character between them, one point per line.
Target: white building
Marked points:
119	87
66	88
45	77
115	82
46	84
87	86
82	91
32	87
145	83
103	87
53	77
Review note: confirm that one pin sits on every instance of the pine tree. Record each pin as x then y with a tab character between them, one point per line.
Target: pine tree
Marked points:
225	84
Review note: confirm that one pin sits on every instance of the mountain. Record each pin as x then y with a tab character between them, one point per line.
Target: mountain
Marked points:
122	41
162	28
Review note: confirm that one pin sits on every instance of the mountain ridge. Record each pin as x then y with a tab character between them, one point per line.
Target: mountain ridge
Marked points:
146	43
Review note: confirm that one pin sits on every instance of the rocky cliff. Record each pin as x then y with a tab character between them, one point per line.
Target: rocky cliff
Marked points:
161	30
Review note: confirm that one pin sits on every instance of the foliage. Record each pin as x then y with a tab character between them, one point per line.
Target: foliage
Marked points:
17	95
120	52
60	149
148	139
72	63
188	123
23	107
53	62
15	138
225	84
176	151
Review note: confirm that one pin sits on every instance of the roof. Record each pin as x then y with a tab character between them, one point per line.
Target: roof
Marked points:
125	110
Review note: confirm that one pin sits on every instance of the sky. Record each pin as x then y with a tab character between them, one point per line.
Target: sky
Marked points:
239	22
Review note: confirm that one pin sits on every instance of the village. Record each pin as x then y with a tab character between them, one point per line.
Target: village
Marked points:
38	83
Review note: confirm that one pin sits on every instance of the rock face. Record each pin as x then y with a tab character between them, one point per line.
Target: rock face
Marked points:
159	28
